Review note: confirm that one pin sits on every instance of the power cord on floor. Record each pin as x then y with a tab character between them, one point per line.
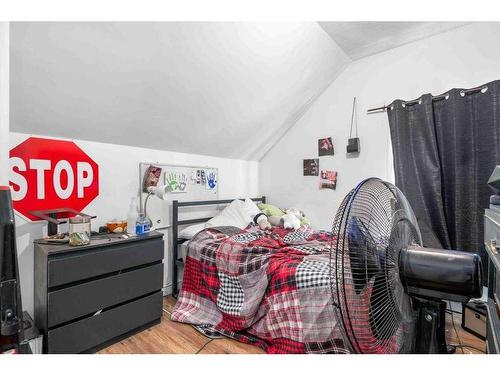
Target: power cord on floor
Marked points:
468	346
203	347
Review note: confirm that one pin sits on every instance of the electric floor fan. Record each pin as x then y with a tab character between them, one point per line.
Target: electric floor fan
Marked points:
390	291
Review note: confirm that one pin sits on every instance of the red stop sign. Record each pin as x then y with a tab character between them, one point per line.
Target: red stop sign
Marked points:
49	173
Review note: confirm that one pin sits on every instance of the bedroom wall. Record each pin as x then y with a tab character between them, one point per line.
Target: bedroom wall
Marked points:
464	57
119	181
4	102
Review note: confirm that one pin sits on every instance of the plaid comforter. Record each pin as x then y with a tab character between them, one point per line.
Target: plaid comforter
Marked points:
267	288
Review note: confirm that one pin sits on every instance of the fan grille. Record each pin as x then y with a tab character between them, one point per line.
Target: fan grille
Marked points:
372	225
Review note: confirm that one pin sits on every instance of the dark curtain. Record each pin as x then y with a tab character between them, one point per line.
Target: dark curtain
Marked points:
444	152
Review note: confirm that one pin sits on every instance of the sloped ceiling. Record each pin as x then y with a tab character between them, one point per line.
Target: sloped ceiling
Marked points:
361	39
222	89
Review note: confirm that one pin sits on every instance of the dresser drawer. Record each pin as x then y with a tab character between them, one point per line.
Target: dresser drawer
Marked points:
71	267
87	298
88	333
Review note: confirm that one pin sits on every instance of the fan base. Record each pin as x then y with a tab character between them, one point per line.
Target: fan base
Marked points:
450	349
430	329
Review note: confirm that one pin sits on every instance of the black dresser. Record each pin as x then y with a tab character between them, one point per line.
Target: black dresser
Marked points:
91	296
492	245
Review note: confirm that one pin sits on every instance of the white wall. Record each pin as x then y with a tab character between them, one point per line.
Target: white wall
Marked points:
119	181
4	102
464	57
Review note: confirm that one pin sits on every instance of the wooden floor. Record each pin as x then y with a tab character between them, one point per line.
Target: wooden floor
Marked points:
170	337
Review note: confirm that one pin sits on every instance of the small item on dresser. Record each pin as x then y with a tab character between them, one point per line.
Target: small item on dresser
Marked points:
56	238
79	230
132	216
116	226
143	224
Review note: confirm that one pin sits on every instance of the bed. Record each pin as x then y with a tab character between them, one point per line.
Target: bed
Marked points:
266	288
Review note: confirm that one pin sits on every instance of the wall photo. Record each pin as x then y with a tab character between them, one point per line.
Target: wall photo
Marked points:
328	180
325	147
311	167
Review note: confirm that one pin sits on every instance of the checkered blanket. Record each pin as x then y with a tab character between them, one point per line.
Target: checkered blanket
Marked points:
267	288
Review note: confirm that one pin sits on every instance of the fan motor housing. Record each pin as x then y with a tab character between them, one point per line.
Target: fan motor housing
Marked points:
440	274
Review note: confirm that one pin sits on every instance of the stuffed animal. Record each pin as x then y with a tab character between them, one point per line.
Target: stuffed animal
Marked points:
262	221
273	213
291	219
277	217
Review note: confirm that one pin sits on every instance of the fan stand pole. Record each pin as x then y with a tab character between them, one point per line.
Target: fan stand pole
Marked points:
430	328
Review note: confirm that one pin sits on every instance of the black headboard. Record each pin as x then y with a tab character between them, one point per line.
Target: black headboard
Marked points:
176	205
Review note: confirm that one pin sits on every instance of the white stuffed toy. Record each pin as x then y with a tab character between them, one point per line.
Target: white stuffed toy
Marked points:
291	219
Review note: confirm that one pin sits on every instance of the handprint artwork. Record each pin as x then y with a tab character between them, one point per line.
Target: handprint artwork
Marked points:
211	180
182	183
176	181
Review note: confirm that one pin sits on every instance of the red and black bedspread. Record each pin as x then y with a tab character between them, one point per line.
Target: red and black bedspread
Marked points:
267	288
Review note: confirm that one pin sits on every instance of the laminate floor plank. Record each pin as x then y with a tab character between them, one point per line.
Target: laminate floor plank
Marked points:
170	337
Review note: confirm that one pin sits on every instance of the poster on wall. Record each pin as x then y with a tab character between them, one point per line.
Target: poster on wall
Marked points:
311	167
176	181
328	180
211	179
325	146
151	177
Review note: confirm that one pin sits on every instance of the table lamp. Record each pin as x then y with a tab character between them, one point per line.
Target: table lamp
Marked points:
161	192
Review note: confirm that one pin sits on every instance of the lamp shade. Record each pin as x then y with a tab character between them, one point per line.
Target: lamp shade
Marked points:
160	191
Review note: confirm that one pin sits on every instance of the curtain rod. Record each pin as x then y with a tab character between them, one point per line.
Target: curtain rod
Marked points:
384	108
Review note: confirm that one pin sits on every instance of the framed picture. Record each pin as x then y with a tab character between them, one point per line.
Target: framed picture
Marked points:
328	180
311	167
325	146
151	177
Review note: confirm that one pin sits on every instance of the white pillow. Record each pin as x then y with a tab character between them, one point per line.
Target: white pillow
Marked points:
251	208
234	215
191	231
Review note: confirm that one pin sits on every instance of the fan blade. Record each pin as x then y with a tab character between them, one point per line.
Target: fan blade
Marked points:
383	311
364	262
